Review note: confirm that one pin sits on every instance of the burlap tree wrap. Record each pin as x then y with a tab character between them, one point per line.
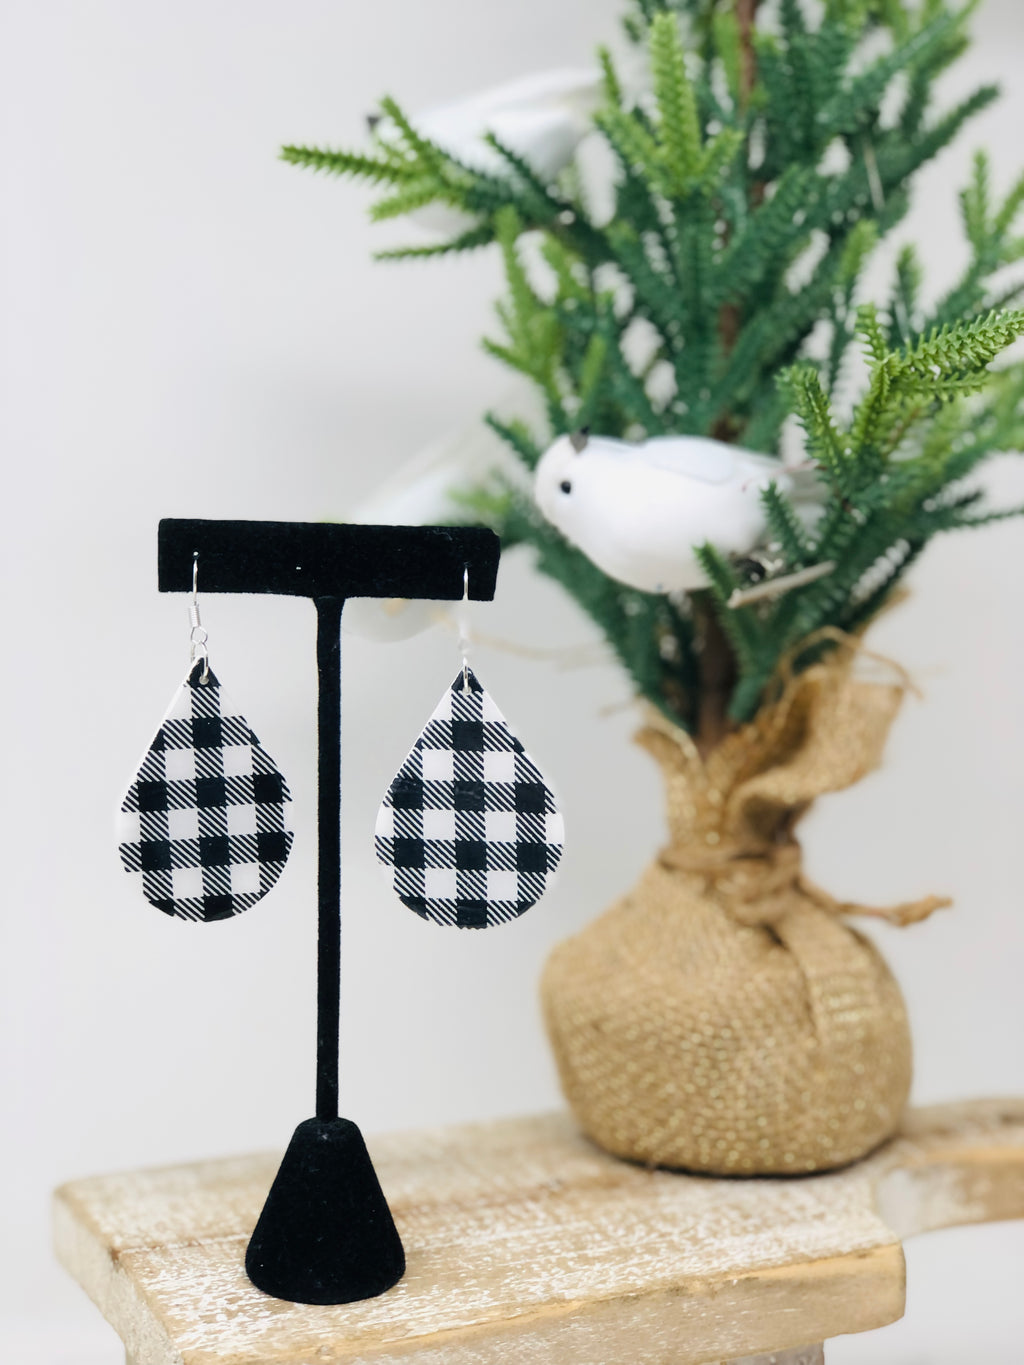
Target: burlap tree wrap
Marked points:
723	1017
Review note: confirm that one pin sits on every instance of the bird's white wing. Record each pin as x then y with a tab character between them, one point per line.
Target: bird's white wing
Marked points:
691	457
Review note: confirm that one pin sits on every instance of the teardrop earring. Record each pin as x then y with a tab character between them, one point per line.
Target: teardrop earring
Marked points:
469	829
204	826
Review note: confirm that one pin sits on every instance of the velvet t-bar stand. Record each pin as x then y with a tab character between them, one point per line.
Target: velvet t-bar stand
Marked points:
326	1234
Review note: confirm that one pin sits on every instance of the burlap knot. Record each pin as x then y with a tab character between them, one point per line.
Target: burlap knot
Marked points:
757	887
723	1016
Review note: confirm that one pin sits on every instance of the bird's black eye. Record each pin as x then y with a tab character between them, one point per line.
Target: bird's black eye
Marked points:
565	486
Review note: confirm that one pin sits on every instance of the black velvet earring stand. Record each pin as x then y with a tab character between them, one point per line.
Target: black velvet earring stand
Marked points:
326	1234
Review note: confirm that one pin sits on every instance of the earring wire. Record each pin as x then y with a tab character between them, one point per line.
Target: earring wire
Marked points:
464	629
197	652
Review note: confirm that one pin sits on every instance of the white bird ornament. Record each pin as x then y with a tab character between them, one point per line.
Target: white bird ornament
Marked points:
639	510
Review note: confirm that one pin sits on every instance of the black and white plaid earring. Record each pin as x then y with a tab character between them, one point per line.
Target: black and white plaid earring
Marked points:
204	827
469	830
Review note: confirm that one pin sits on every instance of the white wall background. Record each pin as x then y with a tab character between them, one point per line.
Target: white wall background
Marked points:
192	328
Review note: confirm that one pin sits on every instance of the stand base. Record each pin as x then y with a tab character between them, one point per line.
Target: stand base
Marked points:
326	1234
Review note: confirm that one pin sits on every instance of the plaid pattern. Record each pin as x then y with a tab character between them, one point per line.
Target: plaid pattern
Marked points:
468	829
205	823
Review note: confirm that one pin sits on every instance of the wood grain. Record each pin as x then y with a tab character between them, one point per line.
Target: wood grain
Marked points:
525	1242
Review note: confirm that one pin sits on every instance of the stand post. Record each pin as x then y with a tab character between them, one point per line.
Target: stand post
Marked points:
328	990
326	1234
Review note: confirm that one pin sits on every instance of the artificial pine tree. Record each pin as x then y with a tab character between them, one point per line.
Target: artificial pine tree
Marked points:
773	151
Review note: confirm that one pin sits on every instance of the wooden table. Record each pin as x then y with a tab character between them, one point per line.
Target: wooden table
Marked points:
526	1244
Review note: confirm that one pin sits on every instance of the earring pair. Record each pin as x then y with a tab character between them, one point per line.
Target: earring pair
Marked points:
468	830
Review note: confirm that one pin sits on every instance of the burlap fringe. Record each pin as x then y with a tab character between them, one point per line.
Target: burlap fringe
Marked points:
723	1017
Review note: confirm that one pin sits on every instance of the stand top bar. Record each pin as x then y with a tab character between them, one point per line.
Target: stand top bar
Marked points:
322	559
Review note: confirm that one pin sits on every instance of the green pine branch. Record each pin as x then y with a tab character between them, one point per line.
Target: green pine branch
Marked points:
777	149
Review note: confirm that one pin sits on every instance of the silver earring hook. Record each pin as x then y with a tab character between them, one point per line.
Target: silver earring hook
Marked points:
197	652
464	629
